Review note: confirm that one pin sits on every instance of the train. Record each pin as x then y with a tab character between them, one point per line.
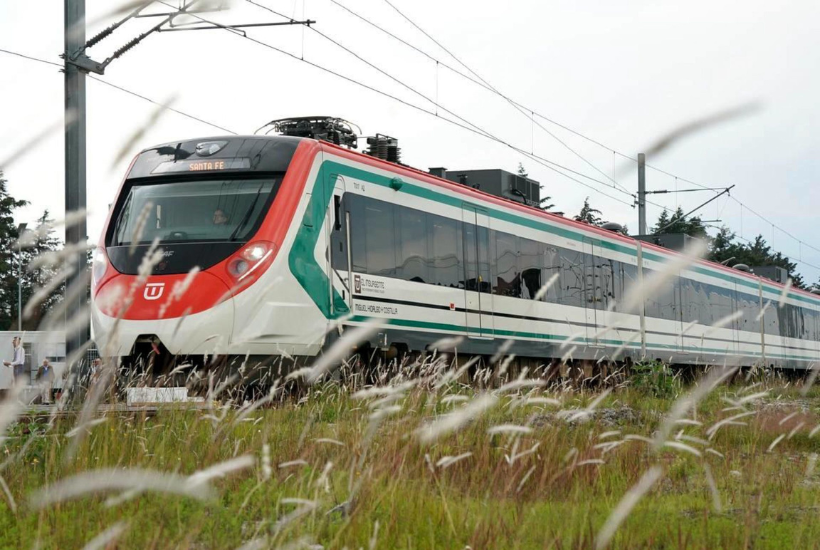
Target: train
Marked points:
262	246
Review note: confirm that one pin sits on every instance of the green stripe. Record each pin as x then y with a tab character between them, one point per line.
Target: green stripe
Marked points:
316	283
301	260
408	323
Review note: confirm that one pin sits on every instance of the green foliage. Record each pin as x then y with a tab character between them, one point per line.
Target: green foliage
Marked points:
725	248
589	215
38	274
8	256
676	223
544	203
655	379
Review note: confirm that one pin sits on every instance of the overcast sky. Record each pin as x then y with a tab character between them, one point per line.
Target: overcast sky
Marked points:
624	73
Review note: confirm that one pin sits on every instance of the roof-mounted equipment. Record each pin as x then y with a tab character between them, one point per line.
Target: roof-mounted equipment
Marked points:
331	129
384	147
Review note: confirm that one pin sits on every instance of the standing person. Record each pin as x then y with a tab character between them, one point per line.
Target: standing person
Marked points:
18	362
45	375
96	370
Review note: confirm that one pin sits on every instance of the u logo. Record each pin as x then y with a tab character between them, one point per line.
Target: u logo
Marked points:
153	291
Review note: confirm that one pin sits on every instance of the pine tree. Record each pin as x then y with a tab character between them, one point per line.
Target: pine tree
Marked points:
589	215
724	249
8	256
678	224
522	172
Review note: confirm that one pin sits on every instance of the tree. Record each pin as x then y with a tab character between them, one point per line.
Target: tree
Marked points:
8	256
41	273
522	172
676	223
545	207
724	249
589	215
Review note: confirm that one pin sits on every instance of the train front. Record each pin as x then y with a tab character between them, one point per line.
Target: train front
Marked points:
193	234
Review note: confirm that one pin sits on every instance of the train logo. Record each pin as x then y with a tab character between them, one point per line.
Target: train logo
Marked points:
153	291
357	284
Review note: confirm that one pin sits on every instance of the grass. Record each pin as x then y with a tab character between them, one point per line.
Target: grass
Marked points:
370	483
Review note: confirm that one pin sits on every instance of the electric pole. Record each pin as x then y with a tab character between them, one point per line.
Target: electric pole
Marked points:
75	233
641	194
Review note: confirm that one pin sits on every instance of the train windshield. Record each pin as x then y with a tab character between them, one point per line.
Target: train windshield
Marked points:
193	211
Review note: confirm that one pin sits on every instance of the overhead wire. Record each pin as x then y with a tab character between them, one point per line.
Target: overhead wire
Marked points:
544	162
518	107
125	90
529	155
432	101
486	85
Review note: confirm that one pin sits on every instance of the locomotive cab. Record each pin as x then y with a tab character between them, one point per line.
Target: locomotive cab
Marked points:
194	225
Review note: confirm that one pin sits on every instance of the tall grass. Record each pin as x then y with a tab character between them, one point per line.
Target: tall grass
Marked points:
523	470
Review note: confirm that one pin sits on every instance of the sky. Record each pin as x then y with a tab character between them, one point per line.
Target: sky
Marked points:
622	73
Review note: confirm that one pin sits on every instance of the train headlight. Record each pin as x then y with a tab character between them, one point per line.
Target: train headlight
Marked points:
255	252
249	259
238	267
98	266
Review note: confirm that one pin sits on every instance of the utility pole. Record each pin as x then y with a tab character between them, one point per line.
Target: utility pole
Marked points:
641	194
75	233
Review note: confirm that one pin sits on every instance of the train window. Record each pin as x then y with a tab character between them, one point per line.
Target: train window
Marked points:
338	238
572	278
193	211
412	249
771	318
470	257
630	278
751	307
445	251
358	233
529	267
484	260
606	280
381	242
507	281
552	265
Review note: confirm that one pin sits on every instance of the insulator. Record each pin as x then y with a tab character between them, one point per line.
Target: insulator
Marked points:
102	34
127	47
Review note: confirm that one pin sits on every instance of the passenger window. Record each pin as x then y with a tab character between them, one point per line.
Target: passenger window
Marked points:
507	282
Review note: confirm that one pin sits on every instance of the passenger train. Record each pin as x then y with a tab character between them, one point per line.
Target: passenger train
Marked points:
262	244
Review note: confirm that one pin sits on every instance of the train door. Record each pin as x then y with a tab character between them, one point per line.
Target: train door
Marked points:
737	323
338	227
678	311
477	280
594	300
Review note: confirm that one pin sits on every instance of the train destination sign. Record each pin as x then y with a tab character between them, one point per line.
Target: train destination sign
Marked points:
202	165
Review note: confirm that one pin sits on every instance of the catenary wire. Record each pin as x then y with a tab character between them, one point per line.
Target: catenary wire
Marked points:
192	117
480	82
480	130
540	160
18	54
125	90
529	114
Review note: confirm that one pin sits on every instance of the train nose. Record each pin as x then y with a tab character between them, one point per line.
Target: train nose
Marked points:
192	318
